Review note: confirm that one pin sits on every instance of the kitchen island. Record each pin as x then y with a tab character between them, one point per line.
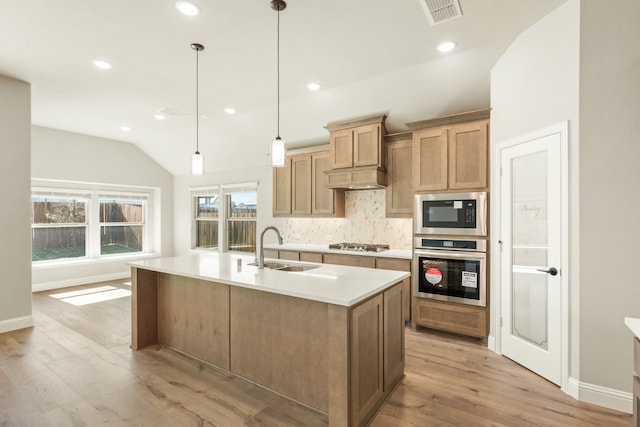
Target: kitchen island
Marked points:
330	337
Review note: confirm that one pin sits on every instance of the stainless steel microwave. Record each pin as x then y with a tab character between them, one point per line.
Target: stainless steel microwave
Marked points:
463	214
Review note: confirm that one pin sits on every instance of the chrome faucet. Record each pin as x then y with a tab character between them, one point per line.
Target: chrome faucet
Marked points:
261	263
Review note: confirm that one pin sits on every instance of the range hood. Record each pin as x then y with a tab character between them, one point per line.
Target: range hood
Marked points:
360	178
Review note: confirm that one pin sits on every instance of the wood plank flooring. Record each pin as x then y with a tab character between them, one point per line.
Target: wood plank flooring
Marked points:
75	368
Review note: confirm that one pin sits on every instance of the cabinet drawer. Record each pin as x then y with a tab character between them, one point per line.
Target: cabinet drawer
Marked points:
311	257
458	318
290	255
352	260
636	355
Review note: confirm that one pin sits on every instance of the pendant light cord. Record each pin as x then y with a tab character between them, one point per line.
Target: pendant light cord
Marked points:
197	104
278	73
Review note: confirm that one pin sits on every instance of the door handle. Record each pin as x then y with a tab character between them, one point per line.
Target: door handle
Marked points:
552	271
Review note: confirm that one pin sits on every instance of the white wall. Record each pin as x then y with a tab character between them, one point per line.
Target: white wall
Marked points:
15	225
581	63
609	180
71	157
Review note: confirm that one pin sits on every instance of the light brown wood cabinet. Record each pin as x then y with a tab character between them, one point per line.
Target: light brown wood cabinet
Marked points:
399	191
357	146
352	260
451	153
459	318
282	189
400	265
301	185
451	157
300	189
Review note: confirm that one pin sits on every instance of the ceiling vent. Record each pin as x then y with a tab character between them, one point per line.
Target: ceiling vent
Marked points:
439	11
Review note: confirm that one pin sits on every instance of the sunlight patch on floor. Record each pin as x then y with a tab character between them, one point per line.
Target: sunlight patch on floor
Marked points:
92	295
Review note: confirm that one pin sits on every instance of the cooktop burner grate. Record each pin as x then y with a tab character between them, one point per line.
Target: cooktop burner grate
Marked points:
360	247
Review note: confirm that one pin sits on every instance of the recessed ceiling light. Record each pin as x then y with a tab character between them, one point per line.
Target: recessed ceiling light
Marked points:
230	110
102	64
188	8
313	86
159	116
446	46
125	128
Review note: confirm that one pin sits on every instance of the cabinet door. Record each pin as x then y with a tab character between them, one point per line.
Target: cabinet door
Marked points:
393	337
301	185
430	162
458	318
282	189
399	192
341	151
367	146
322	201
351	260
468	155
400	265
366	359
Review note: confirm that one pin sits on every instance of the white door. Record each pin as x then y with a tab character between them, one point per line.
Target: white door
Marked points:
531	191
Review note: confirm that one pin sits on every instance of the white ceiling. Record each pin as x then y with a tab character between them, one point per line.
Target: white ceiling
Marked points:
370	56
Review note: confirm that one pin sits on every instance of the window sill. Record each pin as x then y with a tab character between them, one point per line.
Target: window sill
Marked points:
44	265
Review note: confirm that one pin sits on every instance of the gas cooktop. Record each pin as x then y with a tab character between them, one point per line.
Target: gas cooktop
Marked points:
360	247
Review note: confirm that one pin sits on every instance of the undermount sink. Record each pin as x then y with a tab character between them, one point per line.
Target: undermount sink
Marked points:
280	266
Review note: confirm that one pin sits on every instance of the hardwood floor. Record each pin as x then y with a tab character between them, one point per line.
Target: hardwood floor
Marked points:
75	368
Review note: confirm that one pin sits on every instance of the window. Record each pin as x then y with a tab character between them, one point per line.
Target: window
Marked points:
90	223
58	227
206	221
225	217
241	221
121	226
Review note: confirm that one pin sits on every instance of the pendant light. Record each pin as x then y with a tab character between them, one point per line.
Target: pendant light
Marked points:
278	146
197	159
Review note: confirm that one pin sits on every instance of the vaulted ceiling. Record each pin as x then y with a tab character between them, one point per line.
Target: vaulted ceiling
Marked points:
370	56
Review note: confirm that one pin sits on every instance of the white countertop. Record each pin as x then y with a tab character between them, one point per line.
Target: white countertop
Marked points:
333	284
306	247
633	324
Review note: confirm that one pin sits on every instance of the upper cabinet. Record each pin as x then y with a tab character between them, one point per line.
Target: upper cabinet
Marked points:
399	191
300	188
450	153
356	154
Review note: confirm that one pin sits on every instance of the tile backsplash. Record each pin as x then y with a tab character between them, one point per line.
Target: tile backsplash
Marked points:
364	222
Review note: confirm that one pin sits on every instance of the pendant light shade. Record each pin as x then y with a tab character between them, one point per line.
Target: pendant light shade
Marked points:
278	151
278	146
197	159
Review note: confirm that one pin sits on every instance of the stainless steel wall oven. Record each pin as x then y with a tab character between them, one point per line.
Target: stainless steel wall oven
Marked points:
450	270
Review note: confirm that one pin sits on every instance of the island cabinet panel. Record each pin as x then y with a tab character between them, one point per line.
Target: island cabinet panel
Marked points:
144	308
400	265
394	337
193	316
278	341
636	382
367	372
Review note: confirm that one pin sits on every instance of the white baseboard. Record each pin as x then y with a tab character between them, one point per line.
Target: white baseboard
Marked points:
39	287
491	343
602	396
15	324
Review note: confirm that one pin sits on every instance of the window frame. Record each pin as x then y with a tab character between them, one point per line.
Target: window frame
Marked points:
224	193
93	194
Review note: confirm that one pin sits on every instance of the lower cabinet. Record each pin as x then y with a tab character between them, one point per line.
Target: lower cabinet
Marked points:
400	265
352	260
458	318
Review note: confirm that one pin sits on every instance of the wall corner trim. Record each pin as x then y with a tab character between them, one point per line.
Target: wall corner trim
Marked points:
602	396
16	323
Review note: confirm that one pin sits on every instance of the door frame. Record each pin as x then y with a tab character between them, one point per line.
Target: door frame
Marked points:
495	339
